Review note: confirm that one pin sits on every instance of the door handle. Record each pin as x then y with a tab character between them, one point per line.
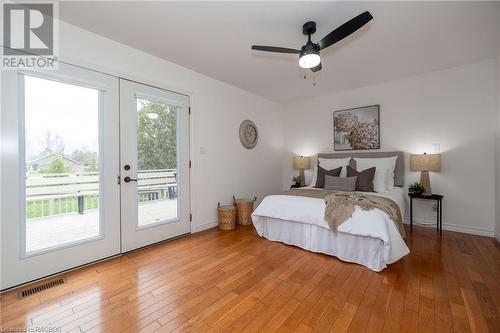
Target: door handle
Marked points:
128	179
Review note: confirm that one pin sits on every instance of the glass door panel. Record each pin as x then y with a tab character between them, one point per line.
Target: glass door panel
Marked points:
157	162
62	163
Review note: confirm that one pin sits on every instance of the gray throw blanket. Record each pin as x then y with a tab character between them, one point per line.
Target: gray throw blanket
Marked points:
340	206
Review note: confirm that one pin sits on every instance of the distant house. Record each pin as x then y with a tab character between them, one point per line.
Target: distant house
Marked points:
40	162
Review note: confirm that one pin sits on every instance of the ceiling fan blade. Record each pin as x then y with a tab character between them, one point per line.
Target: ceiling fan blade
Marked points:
274	49
317	68
345	30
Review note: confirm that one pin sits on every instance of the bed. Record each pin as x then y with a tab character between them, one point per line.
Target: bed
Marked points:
369	238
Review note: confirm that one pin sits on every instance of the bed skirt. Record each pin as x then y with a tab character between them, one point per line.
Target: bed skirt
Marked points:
362	250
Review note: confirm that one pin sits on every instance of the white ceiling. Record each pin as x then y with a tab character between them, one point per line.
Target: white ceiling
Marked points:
403	39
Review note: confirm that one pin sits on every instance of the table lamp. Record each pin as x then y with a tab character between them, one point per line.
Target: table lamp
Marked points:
425	163
301	163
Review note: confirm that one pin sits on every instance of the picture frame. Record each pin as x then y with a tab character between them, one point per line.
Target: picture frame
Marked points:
357	128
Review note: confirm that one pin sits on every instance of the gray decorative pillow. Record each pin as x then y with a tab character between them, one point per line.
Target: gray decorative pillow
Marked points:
346	184
365	178
320	179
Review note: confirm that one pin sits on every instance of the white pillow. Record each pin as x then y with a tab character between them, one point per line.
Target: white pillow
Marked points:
314	175
384	171
334	163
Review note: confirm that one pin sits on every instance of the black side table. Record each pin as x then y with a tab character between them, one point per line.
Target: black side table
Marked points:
439	214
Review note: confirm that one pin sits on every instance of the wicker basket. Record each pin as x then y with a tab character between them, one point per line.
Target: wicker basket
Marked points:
244	208
226	216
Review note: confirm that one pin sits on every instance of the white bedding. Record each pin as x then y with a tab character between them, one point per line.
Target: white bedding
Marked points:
368	225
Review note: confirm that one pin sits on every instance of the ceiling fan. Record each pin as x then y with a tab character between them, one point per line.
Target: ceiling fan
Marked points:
309	53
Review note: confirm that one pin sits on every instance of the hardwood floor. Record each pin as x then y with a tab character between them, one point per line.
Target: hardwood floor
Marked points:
238	282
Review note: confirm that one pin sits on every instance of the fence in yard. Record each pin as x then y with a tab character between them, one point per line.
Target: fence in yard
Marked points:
54	194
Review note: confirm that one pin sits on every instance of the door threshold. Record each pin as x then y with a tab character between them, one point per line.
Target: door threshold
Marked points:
157	243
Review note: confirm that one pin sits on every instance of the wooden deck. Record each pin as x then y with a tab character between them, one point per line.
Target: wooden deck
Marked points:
45	232
235	281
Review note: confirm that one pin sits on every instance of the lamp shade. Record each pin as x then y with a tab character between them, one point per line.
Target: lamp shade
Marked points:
301	162
425	162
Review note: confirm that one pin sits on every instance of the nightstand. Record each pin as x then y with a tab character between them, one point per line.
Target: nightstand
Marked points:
439	214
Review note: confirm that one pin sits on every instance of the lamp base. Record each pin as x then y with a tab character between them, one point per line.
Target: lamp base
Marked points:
426	182
302	178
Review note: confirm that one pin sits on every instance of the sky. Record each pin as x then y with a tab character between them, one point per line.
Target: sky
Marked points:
66	110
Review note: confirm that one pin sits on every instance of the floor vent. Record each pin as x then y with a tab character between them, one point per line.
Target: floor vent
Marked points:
42	287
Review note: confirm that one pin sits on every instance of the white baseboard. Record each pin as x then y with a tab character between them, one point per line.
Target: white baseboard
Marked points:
419	222
497	237
454	227
205	226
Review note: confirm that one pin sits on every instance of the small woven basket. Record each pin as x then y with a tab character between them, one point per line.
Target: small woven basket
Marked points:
226	216
244	208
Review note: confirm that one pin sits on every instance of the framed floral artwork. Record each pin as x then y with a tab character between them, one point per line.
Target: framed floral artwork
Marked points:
357	128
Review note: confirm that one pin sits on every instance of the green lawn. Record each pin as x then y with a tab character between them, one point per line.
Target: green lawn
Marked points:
61	206
65	206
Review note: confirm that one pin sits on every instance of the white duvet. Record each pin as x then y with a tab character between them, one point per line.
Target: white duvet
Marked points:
373	223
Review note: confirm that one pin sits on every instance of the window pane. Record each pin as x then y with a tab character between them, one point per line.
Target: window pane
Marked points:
157	162
62	163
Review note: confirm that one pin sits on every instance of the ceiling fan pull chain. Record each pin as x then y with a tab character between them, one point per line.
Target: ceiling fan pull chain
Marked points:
314	79
304	74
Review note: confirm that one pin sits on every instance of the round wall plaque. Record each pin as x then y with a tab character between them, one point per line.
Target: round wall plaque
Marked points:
249	134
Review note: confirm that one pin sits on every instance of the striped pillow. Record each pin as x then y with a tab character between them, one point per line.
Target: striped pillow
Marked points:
346	184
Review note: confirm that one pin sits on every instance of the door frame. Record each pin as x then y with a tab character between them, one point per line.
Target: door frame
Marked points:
78	63
134	236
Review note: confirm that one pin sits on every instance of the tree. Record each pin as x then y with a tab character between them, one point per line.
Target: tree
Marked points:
57	165
91	165
88	158
53	143
157	136
83	155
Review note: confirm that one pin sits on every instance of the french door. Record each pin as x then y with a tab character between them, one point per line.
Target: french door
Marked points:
59	194
154	166
91	166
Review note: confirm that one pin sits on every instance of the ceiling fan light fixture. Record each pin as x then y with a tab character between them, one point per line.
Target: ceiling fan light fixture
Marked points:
309	60
309	53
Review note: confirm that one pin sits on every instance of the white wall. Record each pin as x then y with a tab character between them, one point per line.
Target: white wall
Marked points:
453	107
497	164
217	111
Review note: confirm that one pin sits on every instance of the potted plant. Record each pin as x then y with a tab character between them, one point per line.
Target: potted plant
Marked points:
296	180
416	188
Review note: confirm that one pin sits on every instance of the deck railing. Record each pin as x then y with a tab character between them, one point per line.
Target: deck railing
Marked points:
64	193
